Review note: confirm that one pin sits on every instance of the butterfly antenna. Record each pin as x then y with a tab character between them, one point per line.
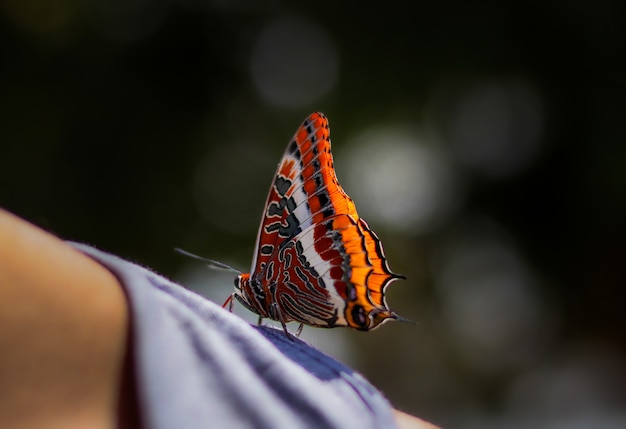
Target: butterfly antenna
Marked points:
216	265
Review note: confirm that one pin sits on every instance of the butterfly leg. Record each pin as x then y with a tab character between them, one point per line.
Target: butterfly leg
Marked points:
260	323
278	315
230	301
299	330
286	330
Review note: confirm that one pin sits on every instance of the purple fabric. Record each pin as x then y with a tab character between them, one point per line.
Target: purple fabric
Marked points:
199	366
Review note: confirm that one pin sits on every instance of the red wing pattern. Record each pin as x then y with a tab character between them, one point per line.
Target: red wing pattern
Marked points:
315	261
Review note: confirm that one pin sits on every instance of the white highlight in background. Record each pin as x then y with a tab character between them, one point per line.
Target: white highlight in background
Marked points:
399	179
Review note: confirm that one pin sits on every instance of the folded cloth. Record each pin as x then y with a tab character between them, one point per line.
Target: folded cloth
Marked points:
198	365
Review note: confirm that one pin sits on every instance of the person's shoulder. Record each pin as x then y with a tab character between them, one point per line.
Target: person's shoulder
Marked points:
64	324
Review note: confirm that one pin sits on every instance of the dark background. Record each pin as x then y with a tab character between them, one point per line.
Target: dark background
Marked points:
484	142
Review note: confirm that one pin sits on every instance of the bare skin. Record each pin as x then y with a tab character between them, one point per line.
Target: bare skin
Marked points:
64	331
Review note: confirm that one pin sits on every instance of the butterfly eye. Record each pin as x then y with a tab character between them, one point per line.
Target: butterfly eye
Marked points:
237	280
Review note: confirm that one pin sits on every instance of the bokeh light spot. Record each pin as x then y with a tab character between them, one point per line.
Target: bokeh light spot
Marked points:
580	387
294	62
496	128
490	299
398	179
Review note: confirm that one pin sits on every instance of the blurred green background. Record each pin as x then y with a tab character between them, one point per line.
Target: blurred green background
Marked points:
483	142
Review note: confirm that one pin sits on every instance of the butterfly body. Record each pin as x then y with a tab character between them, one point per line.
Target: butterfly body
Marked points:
316	261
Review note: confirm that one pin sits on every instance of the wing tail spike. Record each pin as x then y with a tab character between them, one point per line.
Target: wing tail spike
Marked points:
399	318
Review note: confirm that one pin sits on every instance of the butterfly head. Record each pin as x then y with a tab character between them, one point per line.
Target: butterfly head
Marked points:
243	291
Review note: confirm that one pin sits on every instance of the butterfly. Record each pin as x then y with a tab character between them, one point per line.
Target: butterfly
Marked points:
315	260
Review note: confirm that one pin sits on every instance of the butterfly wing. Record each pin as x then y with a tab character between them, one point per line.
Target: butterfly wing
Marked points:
334	273
301	193
315	260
